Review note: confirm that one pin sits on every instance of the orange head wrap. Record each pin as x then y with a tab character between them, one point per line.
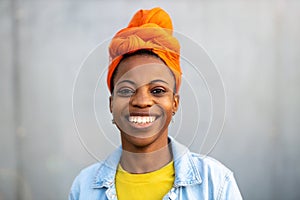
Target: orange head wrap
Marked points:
151	30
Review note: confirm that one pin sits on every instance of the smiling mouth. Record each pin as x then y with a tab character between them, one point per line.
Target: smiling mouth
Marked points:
141	120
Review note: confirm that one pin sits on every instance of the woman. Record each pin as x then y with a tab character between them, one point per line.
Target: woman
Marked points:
144	80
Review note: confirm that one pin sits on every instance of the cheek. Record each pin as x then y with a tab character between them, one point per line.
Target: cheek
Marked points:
167	106
119	104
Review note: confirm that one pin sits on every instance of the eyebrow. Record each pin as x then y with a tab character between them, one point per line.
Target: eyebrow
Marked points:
126	81
151	82
159	80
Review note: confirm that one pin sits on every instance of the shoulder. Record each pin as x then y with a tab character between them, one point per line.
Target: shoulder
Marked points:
210	165
211	171
86	176
200	165
85	182
219	179
89	171
97	175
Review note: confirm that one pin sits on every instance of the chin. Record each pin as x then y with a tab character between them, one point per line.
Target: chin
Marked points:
154	141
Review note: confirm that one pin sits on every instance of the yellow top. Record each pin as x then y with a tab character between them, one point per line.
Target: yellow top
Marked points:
149	186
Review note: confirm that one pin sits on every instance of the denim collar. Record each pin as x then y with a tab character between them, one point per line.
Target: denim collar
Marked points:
186	172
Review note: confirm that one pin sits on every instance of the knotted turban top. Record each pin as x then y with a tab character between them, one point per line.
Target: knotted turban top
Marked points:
151	30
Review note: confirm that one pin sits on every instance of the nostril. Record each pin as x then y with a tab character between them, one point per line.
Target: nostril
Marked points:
142	104
142	101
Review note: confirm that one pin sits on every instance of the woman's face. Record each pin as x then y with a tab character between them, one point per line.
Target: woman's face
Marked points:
143	102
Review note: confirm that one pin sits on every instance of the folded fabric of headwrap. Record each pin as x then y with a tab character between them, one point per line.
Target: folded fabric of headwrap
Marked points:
151	30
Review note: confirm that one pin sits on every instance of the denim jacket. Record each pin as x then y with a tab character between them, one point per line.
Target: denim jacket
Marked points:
196	177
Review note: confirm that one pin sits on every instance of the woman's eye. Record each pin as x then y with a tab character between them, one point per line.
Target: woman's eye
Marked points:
158	91
126	92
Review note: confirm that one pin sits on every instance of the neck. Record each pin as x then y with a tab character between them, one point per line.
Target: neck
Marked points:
139	163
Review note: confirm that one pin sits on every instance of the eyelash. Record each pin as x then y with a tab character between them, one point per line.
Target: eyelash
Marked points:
127	92
160	93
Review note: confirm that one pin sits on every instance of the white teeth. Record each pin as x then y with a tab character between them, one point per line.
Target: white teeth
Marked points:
141	119
144	120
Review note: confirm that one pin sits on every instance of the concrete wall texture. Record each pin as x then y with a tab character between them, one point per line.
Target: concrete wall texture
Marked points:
255	44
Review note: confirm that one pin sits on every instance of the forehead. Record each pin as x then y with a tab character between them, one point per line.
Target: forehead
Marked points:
143	69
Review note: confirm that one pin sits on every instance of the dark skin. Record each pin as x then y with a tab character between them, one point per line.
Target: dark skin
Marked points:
142	104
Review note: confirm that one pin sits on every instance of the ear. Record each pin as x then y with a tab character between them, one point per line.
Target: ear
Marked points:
175	102
110	103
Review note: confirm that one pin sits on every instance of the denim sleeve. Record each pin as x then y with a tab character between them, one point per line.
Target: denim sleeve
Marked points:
74	191
229	190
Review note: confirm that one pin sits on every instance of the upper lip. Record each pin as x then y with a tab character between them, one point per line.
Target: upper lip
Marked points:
143	114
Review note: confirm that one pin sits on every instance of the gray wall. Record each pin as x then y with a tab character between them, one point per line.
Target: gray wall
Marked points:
255	44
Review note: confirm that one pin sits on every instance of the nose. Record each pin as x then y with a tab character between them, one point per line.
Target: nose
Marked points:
142	98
